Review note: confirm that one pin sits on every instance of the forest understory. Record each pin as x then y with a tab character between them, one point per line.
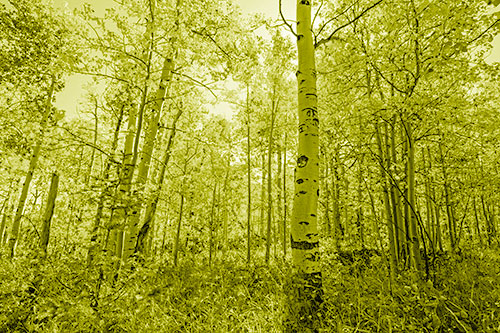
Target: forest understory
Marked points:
60	294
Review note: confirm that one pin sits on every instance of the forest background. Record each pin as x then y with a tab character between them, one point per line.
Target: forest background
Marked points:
148	152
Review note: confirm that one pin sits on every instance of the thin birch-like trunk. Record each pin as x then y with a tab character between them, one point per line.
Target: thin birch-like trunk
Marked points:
146	154
49	212
14	235
105	191
387	204
153	203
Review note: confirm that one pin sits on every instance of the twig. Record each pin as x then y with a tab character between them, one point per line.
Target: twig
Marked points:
198	82
329	38
286	22
485	31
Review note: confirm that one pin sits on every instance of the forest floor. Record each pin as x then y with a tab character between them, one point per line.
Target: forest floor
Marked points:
63	295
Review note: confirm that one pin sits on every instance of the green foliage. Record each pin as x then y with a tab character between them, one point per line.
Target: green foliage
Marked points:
63	295
463	299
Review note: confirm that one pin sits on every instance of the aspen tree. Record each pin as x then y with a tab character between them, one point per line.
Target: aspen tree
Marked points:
4	220
448	201
31	169
6	210
249	175
49	212
387	204
263	195
178	232
396	196
274	108
212	222
147	152
279	218
412	233
153	204
100	205
307	294
134	242
284	195
125	178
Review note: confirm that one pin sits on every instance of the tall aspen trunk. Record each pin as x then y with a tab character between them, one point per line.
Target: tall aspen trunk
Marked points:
428	202
413	232
448	202
284	197
439	238
406	201
10	216
125	178
92	155
476	216
153	203
49	211
249	180
105	191
270	182
337	203
279	207
178	232
146	155
211	227
6	210
387	203
326	189
359	210
396	198
225	208
307	293
14	235
4	220
263	196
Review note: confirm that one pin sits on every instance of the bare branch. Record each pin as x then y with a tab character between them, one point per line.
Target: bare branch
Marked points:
317	12
197	82
213	40
482	33
286	22
335	17
331	37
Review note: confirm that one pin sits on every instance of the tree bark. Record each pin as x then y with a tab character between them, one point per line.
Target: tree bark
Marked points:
49	211
413	233
448	201
146	154
153	203
307	292
178	233
105	191
14	235
249	179
400	238
269	182
285	208
6	210
387	203
212	226
125	178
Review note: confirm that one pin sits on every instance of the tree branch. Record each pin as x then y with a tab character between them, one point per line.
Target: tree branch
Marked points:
485	31
197	82
331	37
286	22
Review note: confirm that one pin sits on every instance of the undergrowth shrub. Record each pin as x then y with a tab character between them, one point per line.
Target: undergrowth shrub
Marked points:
65	296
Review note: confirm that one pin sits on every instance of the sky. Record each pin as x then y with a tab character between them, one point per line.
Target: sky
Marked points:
68	98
